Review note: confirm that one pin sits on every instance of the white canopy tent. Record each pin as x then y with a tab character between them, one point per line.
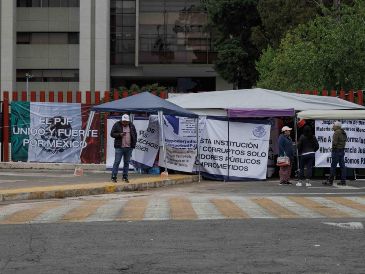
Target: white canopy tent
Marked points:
353	114
217	102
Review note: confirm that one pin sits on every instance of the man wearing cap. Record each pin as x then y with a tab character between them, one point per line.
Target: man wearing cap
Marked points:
285	149
125	139
338	153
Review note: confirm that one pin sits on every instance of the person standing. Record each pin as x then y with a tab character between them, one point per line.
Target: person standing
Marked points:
285	149
125	139
338	154
307	147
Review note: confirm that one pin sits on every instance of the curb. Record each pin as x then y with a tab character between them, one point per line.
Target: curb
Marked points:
54	166
60	192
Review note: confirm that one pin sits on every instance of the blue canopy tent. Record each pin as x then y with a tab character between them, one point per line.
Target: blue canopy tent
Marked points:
144	102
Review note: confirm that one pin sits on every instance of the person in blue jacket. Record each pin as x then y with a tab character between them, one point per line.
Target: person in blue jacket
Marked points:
285	149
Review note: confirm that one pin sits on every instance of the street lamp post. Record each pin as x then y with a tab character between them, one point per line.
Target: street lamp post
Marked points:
28	76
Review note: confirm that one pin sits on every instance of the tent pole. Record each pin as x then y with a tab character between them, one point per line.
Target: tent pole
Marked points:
197	147
228	145
296	146
160	118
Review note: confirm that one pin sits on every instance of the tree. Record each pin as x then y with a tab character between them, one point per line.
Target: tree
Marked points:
326	52
232	21
280	16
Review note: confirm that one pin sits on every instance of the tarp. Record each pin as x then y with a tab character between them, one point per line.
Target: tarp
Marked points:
144	102
254	112
332	114
216	102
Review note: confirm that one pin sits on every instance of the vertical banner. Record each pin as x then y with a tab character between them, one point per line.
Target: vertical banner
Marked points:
181	142
273	146
48	132
147	141
235	149
355	145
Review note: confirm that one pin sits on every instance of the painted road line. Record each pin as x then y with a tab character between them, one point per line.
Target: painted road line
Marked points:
107	212
251	208
275	208
55	214
205	209
350	211
318	207
229	209
83	211
133	210
303	212
157	209
348	202
360	200
181	209
345	187
27	215
10	209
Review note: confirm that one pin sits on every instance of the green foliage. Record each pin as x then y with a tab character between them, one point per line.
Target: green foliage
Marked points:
326	52
232	21
280	16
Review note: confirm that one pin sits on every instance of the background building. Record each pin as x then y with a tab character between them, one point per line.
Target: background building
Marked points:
93	45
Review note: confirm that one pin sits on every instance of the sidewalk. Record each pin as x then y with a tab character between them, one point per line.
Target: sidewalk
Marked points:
31	183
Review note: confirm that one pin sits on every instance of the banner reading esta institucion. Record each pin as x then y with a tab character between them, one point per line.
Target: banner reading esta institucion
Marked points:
52	133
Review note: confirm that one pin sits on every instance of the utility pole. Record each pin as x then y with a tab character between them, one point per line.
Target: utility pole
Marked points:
28	76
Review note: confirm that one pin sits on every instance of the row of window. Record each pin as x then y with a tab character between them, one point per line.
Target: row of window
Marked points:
47	38
48	3
48	75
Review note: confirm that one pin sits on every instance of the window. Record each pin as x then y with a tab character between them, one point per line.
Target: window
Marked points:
48	3
48	75
47	38
173	32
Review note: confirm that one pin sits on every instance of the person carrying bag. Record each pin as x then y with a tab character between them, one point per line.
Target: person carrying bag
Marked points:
286	155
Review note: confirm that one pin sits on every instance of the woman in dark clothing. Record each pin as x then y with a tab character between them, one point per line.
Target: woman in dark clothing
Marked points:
307	147
285	149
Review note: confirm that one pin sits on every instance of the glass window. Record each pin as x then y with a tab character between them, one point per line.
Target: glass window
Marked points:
47	38
48	3
48	75
23	38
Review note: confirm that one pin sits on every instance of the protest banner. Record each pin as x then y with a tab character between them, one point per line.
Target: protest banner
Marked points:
52	133
235	149
180	142
355	146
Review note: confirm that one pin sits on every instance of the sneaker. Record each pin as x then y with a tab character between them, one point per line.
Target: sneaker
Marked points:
125	180
282	183
288	183
342	183
299	184
308	184
114	179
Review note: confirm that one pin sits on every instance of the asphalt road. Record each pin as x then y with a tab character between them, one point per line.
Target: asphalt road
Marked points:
249	246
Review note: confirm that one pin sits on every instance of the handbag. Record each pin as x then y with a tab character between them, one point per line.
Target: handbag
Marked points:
283	161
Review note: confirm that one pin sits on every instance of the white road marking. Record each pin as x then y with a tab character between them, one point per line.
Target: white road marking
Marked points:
351	211
107	212
359	200
296	208
350	225
205	209
53	215
13	208
157	209
251	208
39	174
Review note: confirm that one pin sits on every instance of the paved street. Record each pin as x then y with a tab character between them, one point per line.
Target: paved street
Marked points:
207	227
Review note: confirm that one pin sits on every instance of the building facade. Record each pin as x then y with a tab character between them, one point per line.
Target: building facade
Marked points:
63	45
